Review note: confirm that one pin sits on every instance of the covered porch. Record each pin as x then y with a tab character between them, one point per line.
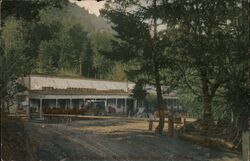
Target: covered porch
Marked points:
37	103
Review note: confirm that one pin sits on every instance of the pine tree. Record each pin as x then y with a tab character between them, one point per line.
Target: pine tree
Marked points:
138	41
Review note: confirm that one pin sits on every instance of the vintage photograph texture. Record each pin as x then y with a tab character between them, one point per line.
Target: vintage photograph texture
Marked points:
125	80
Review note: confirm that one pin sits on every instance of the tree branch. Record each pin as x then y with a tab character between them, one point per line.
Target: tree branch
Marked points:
187	82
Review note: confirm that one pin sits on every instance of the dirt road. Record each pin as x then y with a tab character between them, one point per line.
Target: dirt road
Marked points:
114	139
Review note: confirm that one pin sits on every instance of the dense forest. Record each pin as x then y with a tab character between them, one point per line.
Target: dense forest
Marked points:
63	41
196	47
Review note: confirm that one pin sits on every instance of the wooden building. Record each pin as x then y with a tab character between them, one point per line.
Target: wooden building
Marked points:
63	92
45	91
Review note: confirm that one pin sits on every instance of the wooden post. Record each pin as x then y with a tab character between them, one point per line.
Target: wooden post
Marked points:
83	104
150	125
106	105
125	106
184	121
28	111
27	100
41	108
70	104
246	145
79	103
135	104
116	103
170	126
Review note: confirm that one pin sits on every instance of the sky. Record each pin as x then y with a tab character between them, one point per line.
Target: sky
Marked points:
91	5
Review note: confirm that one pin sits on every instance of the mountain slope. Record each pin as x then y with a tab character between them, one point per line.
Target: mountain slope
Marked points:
91	22
73	14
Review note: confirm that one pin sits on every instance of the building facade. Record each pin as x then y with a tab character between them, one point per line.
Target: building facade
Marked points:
45	91
60	92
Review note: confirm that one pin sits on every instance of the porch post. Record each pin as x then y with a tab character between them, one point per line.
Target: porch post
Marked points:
116	103
135	104
70	103
125	105
106	103
56	102
41	108
83	103
28	106
79	103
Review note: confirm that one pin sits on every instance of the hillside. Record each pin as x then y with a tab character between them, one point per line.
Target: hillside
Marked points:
73	14
92	22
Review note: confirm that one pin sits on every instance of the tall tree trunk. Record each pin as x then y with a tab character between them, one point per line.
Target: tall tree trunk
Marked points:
160	103
207	100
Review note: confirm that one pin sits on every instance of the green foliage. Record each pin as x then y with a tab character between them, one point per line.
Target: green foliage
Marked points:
150	102
237	96
28	10
72	14
66	40
139	91
207	37
117	72
101	42
87	66
133	42
64	51
198	47
138	41
14	44
14	57
201	51
191	102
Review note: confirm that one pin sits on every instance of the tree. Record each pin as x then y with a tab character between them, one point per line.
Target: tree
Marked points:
208	35
28	10
139	91
87	64
14	57
64	51
16	54
237	100
64	48
117	72
138	41
237	89
100	41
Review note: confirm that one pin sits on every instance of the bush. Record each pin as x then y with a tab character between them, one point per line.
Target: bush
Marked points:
64	111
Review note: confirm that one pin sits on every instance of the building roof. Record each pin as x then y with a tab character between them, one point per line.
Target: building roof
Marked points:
74	77
67	85
78	92
74	84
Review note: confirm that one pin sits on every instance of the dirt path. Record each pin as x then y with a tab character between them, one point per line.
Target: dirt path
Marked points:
114	139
